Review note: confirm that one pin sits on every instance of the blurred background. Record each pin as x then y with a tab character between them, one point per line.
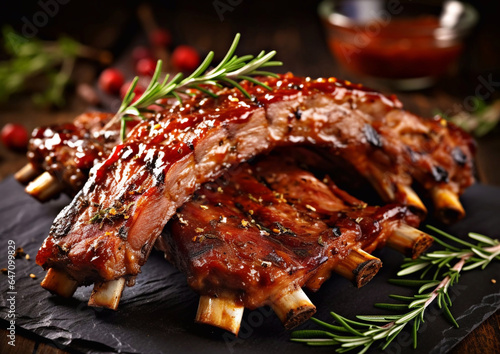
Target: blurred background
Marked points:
112	34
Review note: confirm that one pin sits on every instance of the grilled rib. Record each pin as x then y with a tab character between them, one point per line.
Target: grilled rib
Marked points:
264	231
109	228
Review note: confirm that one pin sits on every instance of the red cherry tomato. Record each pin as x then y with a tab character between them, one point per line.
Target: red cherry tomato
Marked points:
160	37
111	80
141	53
185	58
138	90
14	136
145	67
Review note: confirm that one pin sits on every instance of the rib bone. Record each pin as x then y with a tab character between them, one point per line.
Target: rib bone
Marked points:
44	187
359	267
411	199
26	174
409	241
448	206
221	312
60	283
293	308
107	294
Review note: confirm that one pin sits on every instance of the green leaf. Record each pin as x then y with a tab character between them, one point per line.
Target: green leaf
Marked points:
69	47
391	306
378	318
328	325
409	316
416	326
449	315
429	285
480	253
402	298
453	238
344	324
417	303
482	238
412	269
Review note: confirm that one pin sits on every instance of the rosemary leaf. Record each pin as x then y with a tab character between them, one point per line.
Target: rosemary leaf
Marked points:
414	268
482	238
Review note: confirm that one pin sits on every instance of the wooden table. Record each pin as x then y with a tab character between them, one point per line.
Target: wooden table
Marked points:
297	35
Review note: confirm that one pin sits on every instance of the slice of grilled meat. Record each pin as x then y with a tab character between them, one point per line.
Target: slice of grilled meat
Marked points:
68	151
111	225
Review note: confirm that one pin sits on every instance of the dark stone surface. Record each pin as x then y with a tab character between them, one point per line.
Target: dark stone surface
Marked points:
156	315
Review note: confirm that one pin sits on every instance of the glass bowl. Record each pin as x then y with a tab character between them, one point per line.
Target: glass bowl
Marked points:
407	44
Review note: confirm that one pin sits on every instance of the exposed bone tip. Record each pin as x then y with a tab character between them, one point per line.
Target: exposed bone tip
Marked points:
58	282
412	200
410	241
221	312
359	266
44	187
293	308
107	294
26	174
421	245
448	206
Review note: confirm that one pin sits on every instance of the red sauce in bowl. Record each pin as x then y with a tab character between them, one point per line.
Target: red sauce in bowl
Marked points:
400	49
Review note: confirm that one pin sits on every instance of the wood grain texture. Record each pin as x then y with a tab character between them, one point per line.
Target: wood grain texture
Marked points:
22	345
484	339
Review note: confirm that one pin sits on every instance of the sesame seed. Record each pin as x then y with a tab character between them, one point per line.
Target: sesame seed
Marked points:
310	207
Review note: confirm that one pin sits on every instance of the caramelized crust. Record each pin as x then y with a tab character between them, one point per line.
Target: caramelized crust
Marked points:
111	225
260	230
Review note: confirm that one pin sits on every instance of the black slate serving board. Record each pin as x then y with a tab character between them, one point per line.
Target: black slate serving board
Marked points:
156	315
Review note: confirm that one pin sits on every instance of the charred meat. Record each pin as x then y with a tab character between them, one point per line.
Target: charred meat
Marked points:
108	230
261	232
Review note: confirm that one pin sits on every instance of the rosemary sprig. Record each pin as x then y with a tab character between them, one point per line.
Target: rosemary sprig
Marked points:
229	71
447	265
33	61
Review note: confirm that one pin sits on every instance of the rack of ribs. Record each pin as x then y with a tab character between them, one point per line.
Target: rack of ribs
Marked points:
106	233
261	232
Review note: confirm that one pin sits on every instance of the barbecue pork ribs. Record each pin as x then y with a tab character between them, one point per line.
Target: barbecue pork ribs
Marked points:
105	235
261	232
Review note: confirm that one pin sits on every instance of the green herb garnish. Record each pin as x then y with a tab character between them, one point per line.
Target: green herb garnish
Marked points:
33	61
446	266
231	69
118	210
479	122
